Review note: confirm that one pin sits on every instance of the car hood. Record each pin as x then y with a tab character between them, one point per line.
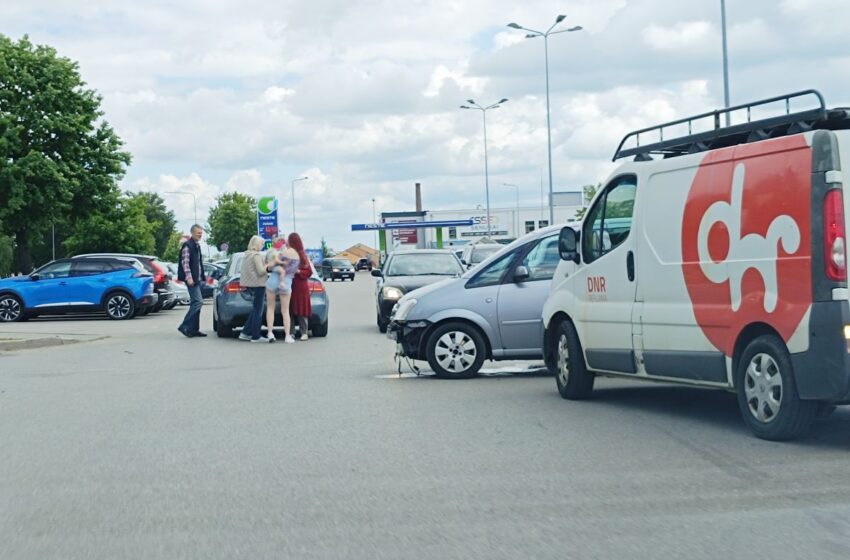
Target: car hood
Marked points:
410	283
12	282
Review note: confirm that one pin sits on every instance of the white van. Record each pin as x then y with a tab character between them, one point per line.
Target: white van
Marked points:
720	264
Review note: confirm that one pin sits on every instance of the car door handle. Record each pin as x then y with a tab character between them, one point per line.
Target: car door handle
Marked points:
488	300
630	266
63	283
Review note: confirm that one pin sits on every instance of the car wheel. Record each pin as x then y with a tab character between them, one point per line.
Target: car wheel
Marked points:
11	309
320	331
455	351
767	394
382	325
119	306
571	375
223	330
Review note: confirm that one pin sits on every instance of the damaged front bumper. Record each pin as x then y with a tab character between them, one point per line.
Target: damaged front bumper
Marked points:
408	336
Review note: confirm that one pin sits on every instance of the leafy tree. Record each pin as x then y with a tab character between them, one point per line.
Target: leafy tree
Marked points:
7	247
326	251
160	218
59	160
233	220
125	229
172	250
589	192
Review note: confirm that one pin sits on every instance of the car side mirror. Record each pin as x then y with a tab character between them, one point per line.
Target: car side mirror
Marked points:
568	245
34	277
376	272
464	262
521	274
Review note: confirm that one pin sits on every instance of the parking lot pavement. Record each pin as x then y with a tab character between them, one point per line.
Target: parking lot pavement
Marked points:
147	444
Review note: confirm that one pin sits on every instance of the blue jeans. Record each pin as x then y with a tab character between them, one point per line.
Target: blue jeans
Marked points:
255	318
192	322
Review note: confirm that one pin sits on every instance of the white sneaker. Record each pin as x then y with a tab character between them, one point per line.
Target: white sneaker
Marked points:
304	336
243	336
261	339
289	339
271	337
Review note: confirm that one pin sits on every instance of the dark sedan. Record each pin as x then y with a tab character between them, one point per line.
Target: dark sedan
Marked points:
405	271
337	268
232	303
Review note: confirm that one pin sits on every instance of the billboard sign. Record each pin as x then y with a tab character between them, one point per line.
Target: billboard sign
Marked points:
267	225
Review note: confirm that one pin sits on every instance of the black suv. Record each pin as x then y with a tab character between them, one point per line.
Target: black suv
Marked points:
363	264
337	268
152	264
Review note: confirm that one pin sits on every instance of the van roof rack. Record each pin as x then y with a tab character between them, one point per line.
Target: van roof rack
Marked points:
722	136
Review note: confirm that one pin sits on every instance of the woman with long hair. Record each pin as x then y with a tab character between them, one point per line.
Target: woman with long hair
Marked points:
281	263
299	303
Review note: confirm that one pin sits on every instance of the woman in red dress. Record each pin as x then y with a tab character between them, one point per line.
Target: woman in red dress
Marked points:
299	304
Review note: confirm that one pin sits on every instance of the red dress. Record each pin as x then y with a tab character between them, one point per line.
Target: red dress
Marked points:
299	304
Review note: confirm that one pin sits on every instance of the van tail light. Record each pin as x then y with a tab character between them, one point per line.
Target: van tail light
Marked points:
316	286
834	236
234	287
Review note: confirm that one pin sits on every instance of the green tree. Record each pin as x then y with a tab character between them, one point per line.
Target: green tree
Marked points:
233	220
7	247
124	229
158	216
59	160
326	251
172	250
589	191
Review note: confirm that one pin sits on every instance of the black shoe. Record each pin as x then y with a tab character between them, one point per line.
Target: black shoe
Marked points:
184	332
199	333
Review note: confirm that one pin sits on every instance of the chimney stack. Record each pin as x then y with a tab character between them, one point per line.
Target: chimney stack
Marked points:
418	198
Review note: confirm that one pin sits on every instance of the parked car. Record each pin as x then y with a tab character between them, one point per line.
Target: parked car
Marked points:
213	273
363	264
337	268
407	270
475	253
161	277
232	303
112	285
720	267
180	290
491	312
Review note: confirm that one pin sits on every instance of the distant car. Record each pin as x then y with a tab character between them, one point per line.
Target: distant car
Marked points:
161	277
213	272
407	270
232	303
493	311
475	253
363	264
337	268
115	286
180	290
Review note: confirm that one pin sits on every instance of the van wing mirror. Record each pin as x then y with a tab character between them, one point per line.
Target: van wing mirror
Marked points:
568	244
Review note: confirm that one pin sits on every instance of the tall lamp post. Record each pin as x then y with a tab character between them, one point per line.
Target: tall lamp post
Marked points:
293	198
474	105
725	59
516	219
374	218
531	35
194	200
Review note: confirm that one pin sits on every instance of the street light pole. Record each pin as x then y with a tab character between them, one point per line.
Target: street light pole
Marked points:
374	218
516	219
474	105
194	201
293	198
725	60
531	35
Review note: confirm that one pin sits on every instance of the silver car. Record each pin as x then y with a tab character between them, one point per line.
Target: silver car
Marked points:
493	311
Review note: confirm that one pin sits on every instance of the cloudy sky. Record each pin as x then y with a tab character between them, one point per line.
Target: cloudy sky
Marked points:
362	97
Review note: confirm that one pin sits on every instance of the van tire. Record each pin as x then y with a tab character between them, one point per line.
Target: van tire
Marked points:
763	373
573	379
450	340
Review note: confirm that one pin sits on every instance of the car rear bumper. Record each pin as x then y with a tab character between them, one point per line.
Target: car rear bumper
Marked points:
823	371
233	310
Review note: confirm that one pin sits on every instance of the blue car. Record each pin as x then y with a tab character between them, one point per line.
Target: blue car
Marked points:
116	286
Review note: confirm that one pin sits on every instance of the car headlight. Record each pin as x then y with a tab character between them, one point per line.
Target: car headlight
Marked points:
391	293
403	308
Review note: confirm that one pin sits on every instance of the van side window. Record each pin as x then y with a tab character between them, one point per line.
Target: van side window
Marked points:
609	221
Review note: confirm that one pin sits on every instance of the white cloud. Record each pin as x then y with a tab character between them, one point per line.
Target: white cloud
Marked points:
682	37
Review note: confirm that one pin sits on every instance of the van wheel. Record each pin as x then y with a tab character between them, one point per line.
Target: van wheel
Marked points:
571	375
11	309
767	394
119	306
455	351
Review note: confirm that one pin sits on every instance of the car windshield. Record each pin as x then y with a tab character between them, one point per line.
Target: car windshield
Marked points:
340	262
422	264
481	253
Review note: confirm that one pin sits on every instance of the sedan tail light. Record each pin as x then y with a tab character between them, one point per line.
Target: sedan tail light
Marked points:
234	287
316	286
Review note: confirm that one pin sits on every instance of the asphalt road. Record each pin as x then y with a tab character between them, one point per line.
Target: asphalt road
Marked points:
146	444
